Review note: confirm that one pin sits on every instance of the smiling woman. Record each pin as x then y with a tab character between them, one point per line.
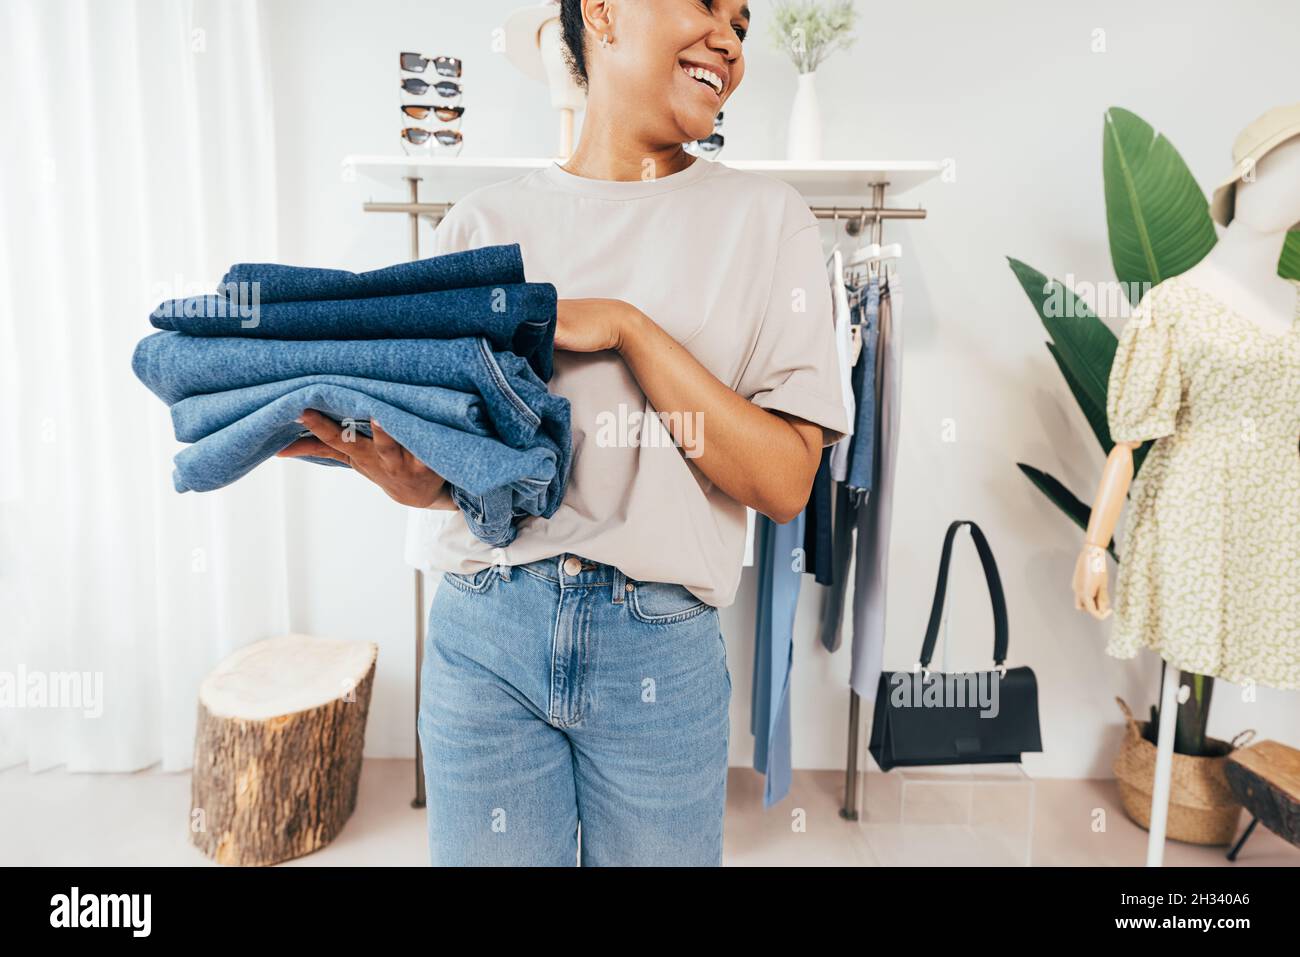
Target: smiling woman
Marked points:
578	674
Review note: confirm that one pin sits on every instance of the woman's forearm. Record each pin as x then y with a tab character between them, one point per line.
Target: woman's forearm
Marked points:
760	458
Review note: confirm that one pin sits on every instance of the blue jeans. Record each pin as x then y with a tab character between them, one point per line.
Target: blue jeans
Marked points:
559	692
236	401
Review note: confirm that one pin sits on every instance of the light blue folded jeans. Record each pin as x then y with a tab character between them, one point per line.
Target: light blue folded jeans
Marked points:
560	693
503	444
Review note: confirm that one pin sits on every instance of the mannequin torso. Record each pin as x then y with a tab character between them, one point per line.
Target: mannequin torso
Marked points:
1240	274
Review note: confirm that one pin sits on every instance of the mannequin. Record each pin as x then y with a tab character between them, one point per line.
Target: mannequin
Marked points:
1223	372
1240	271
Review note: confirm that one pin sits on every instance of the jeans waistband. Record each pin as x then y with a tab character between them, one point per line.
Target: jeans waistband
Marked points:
574	571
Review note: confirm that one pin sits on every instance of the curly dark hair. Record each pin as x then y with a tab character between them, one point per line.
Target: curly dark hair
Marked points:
574	33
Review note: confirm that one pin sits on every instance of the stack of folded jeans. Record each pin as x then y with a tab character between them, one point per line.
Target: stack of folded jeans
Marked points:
450	355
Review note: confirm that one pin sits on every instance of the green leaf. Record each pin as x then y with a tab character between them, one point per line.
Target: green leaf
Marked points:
1159	220
1083	343
1063	498
1288	266
1094	413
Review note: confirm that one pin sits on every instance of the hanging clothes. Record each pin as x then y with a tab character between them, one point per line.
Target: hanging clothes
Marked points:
866	381
874	516
864	300
818	513
844	319
779	577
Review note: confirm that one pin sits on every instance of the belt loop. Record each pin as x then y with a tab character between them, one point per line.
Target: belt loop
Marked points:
619	586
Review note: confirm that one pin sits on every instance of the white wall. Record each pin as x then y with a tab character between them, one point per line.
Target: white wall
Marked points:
1012	92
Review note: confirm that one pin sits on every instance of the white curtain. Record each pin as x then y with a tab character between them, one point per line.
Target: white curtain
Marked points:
136	163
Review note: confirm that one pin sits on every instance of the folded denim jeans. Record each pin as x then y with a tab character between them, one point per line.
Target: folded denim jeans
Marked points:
479	468
484	266
199	416
520	468
519	317
175	367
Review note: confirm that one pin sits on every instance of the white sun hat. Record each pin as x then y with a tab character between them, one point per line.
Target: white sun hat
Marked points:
522	31
1264	134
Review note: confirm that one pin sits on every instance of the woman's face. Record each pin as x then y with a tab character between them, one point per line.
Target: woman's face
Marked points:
654	43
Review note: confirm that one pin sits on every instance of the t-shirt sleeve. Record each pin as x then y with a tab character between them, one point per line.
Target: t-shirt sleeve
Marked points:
452	234
794	366
1145	387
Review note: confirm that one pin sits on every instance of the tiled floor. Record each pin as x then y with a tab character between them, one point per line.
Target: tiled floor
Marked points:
57	818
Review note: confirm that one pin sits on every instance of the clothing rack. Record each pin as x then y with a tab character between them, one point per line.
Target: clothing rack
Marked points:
856	219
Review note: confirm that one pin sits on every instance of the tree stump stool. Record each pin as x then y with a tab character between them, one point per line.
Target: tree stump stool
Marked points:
277	751
1266	779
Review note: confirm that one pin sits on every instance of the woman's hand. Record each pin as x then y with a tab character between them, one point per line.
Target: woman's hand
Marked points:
592	325
400	474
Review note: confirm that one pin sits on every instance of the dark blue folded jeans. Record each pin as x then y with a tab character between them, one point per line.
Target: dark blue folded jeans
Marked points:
484	266
519	317
491	428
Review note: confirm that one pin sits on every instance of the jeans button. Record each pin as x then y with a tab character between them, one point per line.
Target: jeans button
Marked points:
572	566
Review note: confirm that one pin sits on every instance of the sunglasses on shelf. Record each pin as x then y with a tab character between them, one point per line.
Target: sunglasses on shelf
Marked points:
442	65
418	137
710	145
421	111
444	88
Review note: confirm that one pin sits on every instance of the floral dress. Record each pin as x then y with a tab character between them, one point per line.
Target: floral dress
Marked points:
1209	573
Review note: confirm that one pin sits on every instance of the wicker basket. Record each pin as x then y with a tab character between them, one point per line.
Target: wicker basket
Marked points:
1202	808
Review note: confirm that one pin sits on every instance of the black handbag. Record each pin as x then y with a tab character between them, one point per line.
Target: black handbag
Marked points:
985	717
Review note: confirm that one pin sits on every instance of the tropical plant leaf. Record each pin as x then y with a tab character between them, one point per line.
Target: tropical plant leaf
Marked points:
1063	498
1159	220
1094	413
1083	343
1288	266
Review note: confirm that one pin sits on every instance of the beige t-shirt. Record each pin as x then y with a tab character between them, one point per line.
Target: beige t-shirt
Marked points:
730	264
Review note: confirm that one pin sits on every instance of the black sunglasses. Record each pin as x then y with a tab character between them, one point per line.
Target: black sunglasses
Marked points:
444	88
711	144
443	65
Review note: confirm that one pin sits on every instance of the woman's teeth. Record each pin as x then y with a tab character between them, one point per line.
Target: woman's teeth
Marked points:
708	76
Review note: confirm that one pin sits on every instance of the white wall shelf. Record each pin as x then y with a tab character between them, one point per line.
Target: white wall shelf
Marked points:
447	179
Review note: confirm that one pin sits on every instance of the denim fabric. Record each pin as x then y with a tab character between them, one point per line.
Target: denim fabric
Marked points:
519	318
199	416
862	450
817	524
176	366
778	597
484	266
550	699
520	469
844	527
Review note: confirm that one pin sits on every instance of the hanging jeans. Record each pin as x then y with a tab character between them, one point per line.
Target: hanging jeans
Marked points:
862	444
559	693
778	597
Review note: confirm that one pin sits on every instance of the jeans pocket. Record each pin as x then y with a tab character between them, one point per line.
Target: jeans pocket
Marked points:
473	582
661	603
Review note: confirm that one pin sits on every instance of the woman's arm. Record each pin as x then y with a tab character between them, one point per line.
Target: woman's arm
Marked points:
763	459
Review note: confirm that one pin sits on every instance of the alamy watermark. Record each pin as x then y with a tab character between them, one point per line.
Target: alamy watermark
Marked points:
627	427
233	300
918	689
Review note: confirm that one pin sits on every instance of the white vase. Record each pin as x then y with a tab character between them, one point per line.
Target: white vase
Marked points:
804	141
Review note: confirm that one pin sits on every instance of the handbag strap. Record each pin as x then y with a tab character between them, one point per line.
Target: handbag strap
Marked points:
995	594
